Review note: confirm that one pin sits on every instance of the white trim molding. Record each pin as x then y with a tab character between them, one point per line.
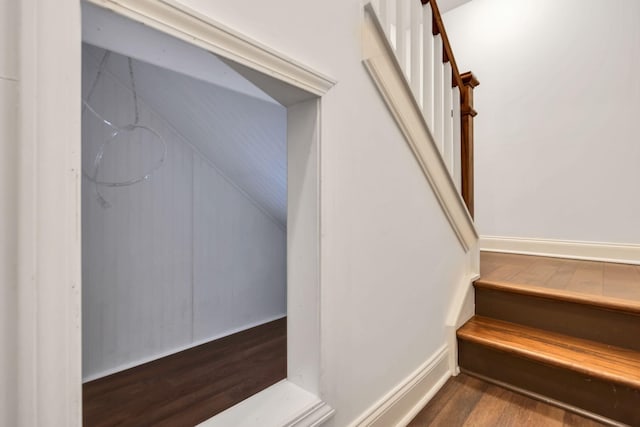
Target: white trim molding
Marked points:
462	306
48	389
280	397
462	309
49	380
404	401
388	77
594	251
184	23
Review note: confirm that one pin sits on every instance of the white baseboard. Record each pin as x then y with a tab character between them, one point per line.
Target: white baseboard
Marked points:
594	251
284	404
404	402
157	356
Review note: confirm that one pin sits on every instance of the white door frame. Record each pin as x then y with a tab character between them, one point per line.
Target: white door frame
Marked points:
49	352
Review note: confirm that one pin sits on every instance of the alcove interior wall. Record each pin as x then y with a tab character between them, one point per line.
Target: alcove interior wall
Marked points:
198	250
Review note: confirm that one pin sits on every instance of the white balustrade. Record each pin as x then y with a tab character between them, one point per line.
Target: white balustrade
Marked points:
415	57
408	26
456	172
402	24
447	118
382	7
427	64
438	93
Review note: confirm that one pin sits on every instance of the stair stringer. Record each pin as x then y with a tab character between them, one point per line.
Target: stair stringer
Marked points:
386	73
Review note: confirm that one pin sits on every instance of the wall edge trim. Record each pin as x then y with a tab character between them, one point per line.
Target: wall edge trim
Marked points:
170	17
592	251
295	407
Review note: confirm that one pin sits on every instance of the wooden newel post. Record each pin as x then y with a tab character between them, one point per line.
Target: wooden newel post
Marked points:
467	113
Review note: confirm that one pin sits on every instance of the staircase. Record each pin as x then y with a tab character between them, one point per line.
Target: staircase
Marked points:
550	328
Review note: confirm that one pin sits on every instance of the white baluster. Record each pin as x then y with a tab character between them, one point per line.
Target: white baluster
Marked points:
457	138
438	93
383	16
391	22
416	49
447	153
401	34
427	65
376	6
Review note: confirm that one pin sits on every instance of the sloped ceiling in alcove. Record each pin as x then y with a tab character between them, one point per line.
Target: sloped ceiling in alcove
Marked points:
243	136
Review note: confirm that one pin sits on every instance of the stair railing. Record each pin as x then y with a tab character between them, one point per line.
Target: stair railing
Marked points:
416	32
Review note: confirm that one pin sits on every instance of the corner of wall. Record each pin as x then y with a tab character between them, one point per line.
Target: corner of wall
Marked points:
462	306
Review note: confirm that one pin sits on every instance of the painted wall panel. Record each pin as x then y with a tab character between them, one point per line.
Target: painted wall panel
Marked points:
239	258
8	254
176	259
136	253
8	39
556	136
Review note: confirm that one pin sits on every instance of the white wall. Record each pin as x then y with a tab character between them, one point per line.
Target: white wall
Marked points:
557	150
179	259
389	258
8	204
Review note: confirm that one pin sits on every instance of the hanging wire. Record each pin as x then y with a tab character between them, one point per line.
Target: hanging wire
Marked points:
117	130
133	89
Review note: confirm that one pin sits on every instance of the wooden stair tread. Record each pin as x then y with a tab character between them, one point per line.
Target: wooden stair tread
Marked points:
608	303
602	361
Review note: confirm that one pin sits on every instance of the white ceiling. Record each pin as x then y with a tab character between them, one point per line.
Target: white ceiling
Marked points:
242	135
108	30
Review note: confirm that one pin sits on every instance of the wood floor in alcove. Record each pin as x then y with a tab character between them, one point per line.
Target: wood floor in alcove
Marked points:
468	401
598	279
191	386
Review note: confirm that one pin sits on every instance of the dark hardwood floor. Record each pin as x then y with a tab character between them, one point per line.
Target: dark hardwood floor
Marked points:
189	387
468	401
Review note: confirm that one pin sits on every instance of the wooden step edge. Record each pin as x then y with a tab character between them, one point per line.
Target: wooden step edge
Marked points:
466	333
607	303
567	407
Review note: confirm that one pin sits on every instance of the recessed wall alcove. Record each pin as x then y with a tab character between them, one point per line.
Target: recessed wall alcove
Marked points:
200	217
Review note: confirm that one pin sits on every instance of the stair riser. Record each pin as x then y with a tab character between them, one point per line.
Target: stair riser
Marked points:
613	401
616	328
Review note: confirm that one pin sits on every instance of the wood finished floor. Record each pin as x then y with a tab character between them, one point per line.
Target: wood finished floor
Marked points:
468	401
596	360
598	279
189	387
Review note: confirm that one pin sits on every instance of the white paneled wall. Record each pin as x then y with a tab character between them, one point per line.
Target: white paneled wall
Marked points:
239	258
179	259
8	243
9	87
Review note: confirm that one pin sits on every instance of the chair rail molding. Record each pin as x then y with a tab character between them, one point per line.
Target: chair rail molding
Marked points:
186	24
